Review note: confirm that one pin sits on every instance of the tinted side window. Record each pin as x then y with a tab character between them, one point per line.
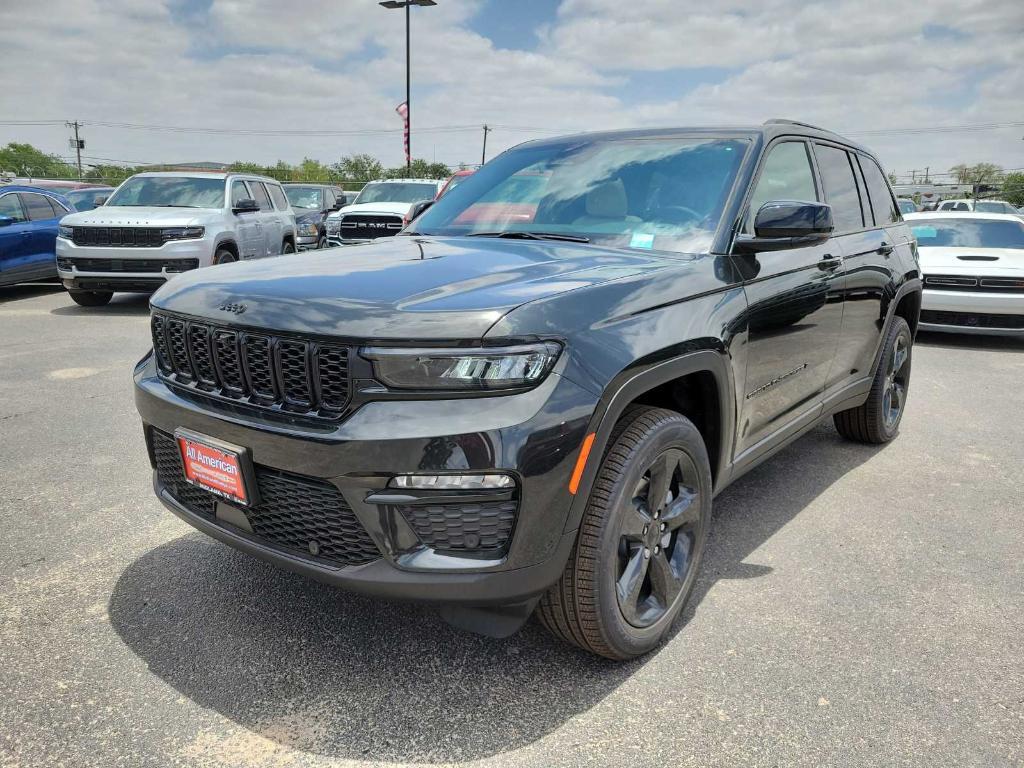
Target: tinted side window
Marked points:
10	205
259	194
329	199
840	187
786	175
58	209
38	206
280	201
238	192
882	204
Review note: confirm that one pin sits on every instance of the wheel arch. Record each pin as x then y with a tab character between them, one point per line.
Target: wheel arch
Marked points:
698	384
229	244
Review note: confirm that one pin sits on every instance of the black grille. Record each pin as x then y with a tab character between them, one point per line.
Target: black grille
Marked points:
966	283
303	515
154	266
477	527
118	237
972	320
267	371
359	226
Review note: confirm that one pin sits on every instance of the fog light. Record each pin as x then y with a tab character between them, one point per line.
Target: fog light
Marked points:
452	482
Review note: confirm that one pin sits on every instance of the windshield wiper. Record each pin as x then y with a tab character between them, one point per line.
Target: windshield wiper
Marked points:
515	234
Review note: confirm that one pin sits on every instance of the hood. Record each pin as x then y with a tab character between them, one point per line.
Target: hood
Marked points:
307	214
396	208
399	287
138	216
971	261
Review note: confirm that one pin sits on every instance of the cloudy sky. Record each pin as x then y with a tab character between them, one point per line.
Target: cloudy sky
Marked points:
265	80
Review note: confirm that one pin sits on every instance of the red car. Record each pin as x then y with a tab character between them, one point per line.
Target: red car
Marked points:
454	180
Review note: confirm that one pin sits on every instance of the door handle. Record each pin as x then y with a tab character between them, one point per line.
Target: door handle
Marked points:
885	249
830	262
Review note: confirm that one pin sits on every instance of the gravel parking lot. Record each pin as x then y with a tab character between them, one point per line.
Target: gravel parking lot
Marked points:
858	606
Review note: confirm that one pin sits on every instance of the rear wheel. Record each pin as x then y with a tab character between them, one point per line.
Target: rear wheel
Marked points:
640	543
91	298
224	256
878	419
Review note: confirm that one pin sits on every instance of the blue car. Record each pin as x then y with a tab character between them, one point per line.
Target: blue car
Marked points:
28	233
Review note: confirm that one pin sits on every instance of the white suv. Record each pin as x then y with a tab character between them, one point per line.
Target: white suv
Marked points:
157	225
380	210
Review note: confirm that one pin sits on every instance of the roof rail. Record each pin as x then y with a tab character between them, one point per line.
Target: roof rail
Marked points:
784	121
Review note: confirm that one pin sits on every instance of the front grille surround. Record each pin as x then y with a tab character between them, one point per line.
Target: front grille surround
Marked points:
119	266
268	371
118	237
366	226
300	515
971	283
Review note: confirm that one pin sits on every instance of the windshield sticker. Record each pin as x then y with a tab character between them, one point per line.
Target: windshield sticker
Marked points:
925	232
641	240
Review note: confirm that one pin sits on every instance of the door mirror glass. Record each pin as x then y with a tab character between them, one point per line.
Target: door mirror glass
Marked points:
247	205
418	208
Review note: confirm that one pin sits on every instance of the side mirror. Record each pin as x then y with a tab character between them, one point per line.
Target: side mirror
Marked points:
6	221
246	206
783	224
417	209
99	201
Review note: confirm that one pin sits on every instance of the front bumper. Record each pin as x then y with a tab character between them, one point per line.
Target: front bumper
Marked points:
974	312
75	270
534	437
307	242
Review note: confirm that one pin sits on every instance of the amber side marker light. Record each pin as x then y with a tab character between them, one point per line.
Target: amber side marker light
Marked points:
581	463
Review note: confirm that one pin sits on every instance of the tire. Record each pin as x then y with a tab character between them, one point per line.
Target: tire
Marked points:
287	247
877	421
224	256
321	243
91	298
591	606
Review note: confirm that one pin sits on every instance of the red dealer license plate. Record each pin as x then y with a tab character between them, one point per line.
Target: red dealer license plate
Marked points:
214	466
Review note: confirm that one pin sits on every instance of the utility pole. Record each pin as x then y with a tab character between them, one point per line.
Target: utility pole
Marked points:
483	155
926	179
79	145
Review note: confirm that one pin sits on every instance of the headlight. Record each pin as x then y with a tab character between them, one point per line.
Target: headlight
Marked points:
333	226
182	233
465	370
65	231
309	230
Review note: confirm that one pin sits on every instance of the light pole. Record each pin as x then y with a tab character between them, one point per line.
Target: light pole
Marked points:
407	4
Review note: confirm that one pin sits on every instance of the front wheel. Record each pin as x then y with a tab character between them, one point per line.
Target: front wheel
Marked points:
287	247
878	419
321	243
91	298
641	540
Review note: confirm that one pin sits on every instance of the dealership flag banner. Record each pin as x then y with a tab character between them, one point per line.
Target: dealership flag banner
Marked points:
403	111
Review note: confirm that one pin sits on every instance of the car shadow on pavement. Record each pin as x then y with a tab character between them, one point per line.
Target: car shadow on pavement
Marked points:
122	305
313	668
10	293
970	341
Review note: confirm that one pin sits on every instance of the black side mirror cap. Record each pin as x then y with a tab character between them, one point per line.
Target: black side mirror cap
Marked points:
245	206
6	221
784	224
418	208
99	201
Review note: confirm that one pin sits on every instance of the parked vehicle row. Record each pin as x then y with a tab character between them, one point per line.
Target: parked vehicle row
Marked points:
29	219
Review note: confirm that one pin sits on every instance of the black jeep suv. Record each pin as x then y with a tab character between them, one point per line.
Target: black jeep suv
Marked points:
528	399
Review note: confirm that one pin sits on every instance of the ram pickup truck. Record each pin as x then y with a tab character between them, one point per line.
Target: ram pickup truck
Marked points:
534	414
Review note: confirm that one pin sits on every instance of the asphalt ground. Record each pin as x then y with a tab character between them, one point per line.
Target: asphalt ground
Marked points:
857	605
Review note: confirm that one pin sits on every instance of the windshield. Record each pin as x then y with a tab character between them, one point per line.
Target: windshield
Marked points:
983	207
396	192
85	199
305	197
907	206
170	192
968	233
664	194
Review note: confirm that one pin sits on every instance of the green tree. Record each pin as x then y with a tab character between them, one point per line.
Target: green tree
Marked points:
26	160
359	168
960	172
1013	188
892	178
420	169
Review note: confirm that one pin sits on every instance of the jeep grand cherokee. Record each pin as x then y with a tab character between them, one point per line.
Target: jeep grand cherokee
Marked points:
528	405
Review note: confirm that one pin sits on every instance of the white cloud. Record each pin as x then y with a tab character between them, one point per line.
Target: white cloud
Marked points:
852	66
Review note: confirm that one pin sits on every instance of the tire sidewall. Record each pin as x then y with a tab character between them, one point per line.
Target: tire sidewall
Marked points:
621	636
223	256
898	328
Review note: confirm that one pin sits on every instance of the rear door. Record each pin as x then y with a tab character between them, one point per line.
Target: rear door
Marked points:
15	239
269	220
794	310
247	225
43	215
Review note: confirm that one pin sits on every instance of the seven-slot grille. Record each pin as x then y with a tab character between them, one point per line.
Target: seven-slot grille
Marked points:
303	515
968	283
361	226
260	369
118	237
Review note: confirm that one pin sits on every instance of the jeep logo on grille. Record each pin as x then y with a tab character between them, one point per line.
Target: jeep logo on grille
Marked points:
236	309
